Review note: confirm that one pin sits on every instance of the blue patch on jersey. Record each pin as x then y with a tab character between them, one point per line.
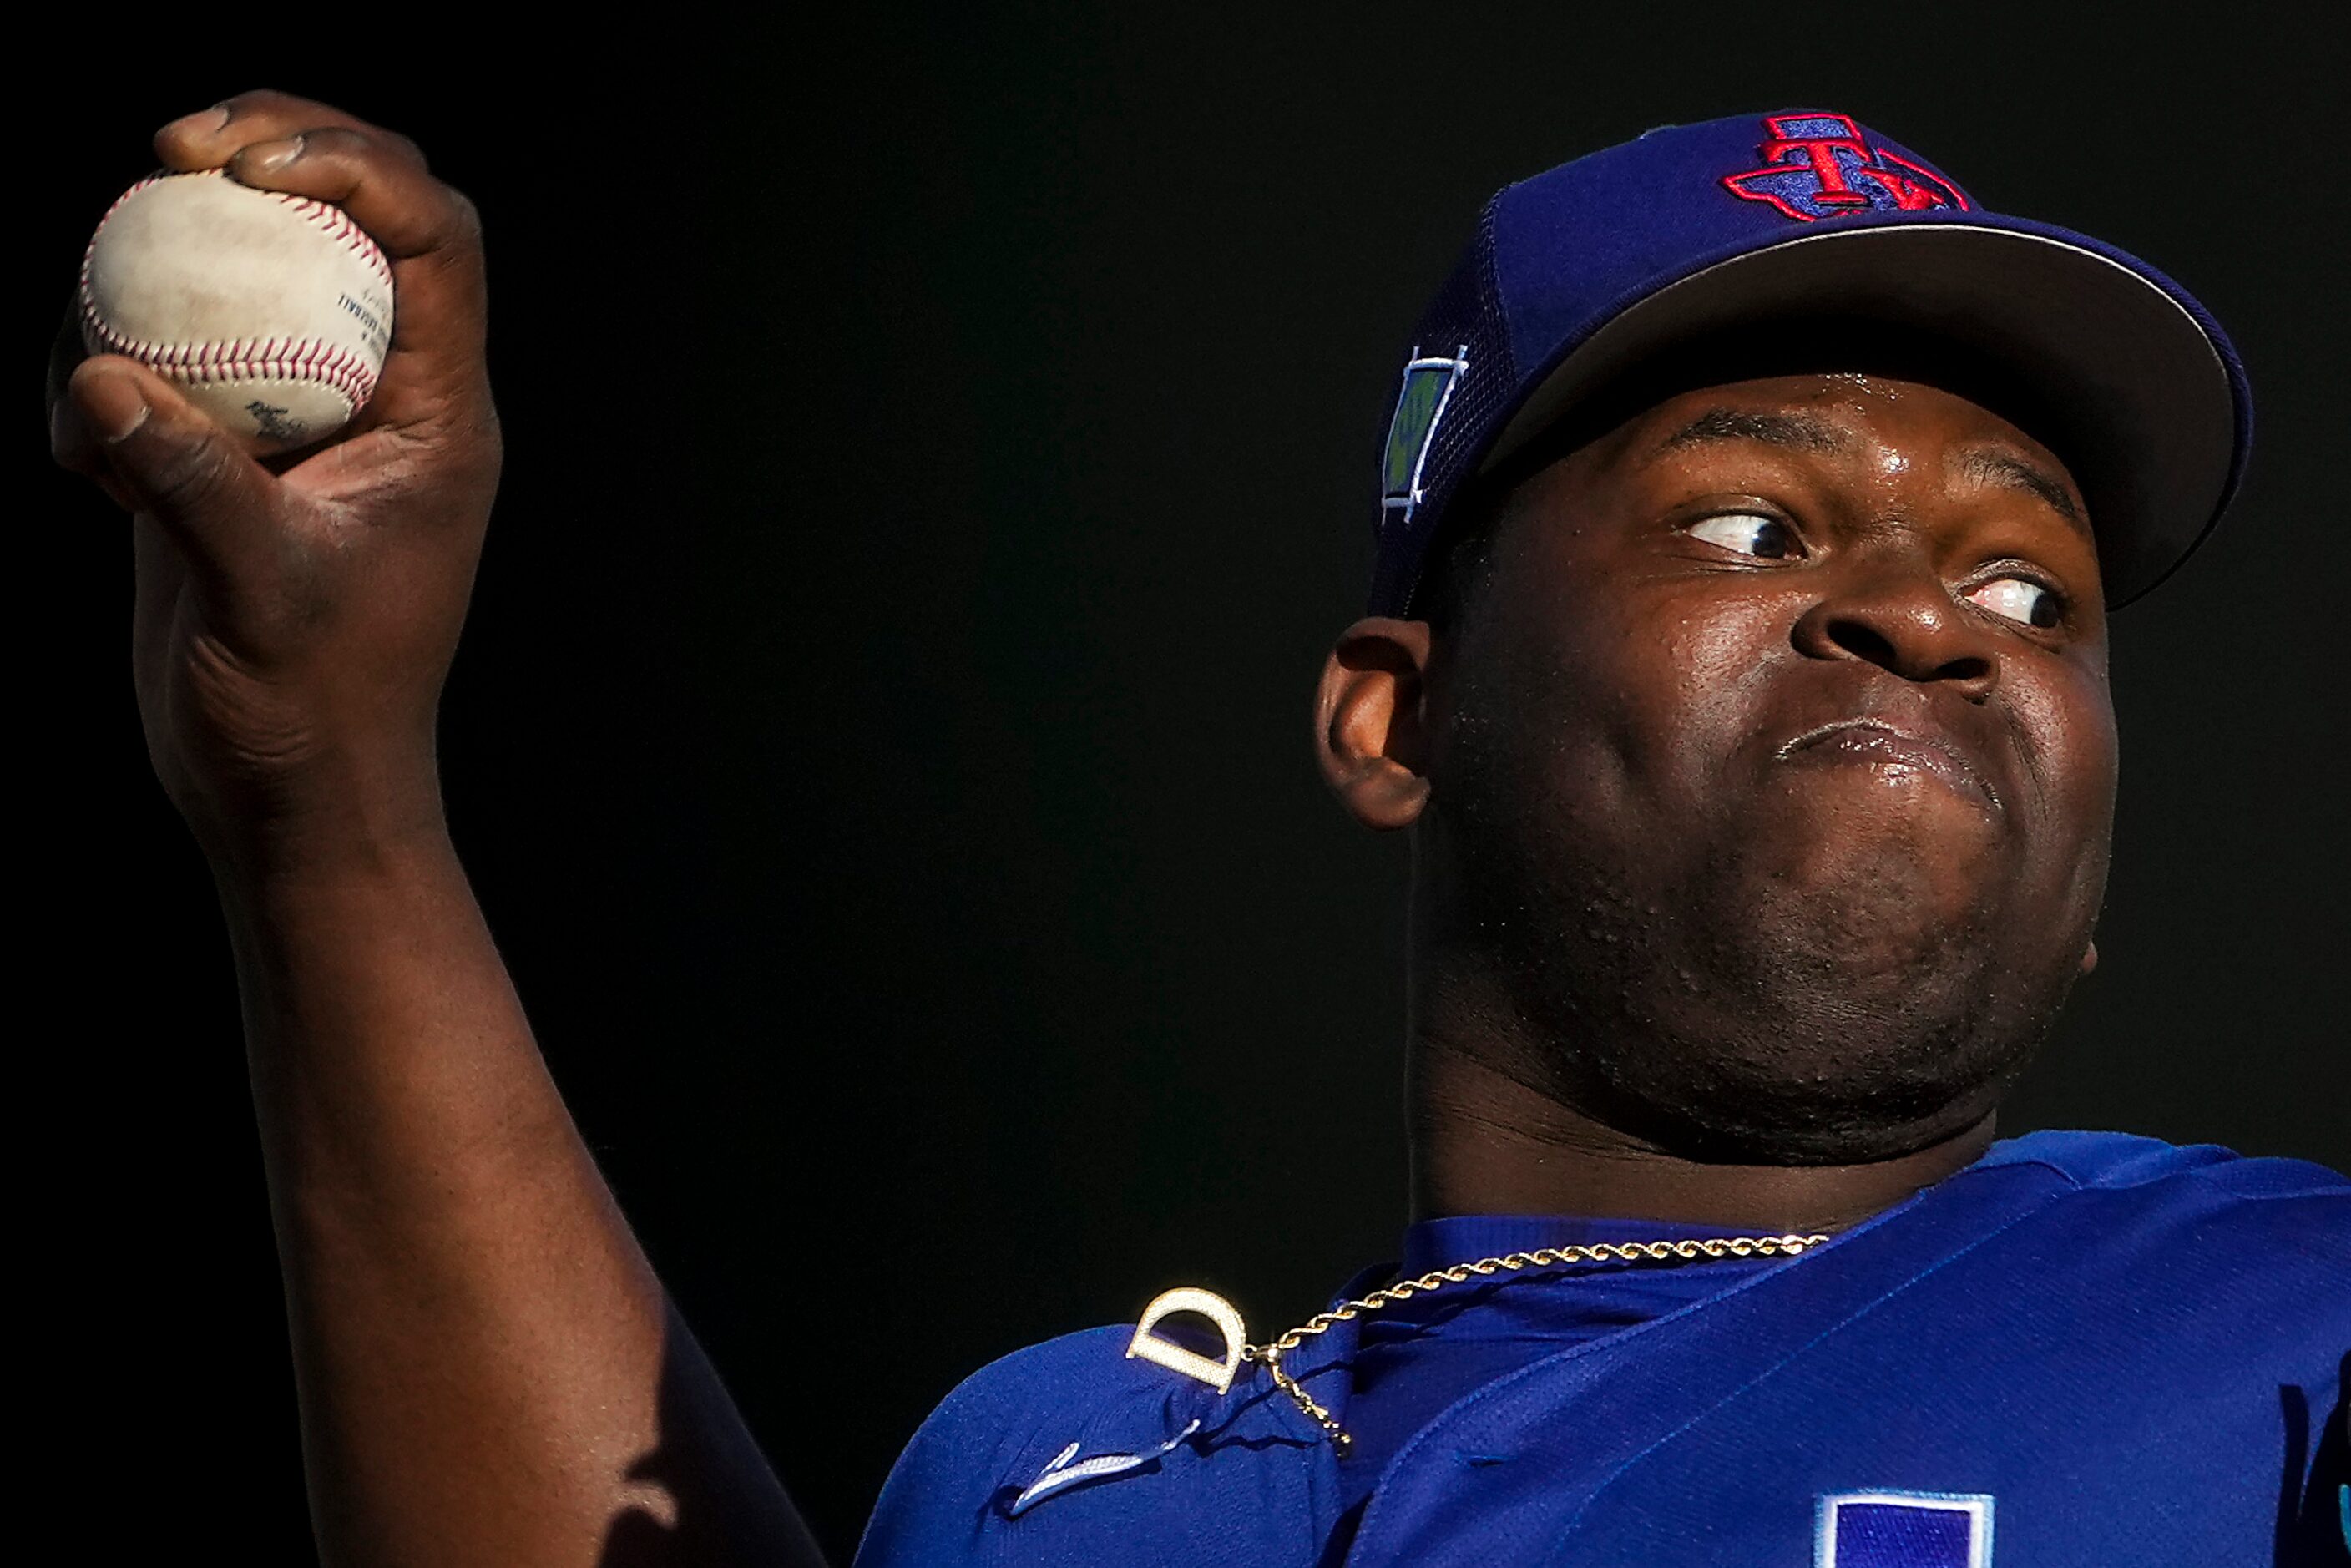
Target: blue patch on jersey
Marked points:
1904	1530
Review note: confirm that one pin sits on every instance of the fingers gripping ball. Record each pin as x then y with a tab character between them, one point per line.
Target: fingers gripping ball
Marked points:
271	312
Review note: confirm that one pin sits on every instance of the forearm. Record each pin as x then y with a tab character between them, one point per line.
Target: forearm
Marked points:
478	1340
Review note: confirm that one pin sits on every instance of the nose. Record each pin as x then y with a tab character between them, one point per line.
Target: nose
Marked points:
1907	621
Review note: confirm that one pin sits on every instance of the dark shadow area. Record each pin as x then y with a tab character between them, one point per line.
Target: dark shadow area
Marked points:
726	1505
2314	1526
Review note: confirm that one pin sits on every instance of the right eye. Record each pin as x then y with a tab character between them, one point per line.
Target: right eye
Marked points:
1756	534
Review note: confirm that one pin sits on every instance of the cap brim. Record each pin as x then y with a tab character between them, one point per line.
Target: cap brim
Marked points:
2155	412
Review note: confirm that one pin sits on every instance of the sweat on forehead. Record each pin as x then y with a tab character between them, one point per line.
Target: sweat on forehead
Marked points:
1999	460
1823	351
1826	350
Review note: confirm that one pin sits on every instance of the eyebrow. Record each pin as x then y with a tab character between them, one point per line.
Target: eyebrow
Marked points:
1993	466
1796	432
1799	432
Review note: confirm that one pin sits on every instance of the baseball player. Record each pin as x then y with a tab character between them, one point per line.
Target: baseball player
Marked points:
1749	516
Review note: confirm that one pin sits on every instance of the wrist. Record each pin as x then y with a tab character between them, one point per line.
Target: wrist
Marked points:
341	820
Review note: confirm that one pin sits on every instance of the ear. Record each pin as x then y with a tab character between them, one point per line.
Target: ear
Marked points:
1368	731
2089	958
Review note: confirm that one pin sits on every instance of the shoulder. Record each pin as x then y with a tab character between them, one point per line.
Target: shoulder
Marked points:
2194	1233
2146	1192
2159	1171
1061	1413
2141	1193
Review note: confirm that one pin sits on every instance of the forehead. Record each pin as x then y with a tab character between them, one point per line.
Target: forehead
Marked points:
1838	414
1852	426
1961	434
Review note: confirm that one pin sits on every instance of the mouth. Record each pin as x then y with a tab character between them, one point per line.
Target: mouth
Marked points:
1872	743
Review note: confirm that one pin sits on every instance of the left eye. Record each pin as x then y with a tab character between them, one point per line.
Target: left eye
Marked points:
1750	533
2019	599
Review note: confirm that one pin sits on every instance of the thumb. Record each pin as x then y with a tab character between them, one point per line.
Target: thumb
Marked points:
172	462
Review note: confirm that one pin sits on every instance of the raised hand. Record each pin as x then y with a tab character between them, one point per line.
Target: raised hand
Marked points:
293	628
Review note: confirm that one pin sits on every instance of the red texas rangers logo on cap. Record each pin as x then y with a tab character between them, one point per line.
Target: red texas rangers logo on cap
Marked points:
1818	166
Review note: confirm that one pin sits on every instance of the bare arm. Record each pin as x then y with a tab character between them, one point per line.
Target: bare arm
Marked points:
487	1368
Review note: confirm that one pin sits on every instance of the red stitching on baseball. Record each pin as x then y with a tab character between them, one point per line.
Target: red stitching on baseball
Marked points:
308	359
304	359
337	225
331	221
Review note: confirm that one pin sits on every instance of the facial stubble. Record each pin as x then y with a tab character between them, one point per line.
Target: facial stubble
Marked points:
1760	985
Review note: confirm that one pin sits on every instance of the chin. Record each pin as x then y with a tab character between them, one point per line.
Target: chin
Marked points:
1801	1130
1799	1059
1870	896
1850	989
1813	1026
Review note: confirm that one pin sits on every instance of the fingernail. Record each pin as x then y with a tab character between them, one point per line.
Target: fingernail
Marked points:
119	424
204	122
266	156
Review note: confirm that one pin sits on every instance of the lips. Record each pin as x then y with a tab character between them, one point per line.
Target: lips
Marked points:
1874	743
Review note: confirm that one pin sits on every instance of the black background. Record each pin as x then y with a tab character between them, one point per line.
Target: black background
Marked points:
938	459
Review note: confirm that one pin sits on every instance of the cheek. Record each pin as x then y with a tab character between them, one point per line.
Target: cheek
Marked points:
1665	686
2067	721
1702	665
1727	653
2067	738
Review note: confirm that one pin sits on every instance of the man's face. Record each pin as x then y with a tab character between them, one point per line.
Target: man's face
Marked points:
1772	765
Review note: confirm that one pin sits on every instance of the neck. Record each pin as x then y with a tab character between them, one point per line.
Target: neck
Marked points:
1484	1143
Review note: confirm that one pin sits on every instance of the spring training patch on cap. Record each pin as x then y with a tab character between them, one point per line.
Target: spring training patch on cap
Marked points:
1820	166
1428	387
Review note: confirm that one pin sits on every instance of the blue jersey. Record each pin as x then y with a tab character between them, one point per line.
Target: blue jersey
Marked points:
2085	1349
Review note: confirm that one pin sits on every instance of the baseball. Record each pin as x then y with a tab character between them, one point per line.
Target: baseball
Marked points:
269	312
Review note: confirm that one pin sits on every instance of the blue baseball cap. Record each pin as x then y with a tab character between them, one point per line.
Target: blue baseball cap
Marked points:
1807	234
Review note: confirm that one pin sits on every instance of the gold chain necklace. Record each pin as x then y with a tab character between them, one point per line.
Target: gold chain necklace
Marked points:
1219	1373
